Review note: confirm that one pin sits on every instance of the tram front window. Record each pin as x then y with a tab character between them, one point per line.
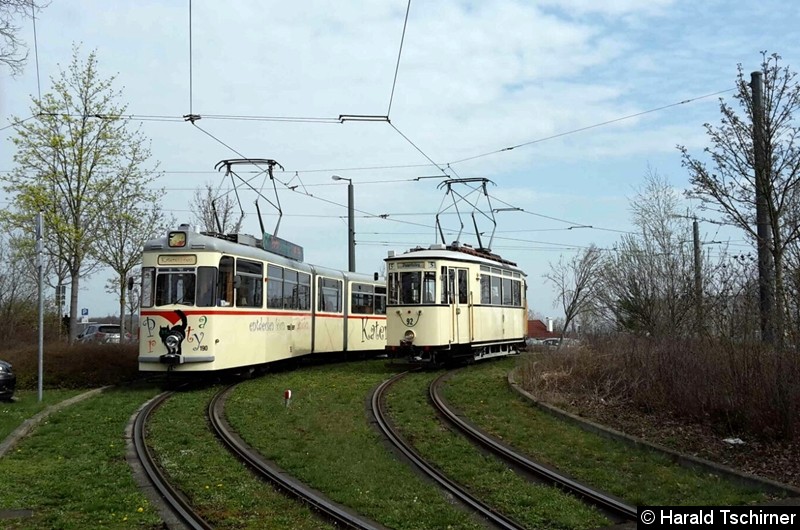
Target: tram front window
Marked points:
175	287
409	287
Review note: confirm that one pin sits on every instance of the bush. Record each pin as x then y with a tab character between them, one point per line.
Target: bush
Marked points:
77	366
737	387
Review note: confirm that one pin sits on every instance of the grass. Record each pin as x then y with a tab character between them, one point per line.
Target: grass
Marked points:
221	488
72	473
26	405
640	477
533	505
323	439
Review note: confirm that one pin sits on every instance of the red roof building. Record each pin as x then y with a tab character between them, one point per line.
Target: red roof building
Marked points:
538	330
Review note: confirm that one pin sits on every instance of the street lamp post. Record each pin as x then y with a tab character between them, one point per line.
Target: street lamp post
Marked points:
351	224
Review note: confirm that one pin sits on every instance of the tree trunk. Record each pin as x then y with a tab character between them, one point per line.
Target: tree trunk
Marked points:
121	309
73	304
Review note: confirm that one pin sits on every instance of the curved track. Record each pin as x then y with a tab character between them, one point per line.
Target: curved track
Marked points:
455	489
612	507
332	511
175	502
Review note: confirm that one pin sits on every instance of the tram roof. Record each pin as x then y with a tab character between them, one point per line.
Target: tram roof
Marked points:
457	253
246	246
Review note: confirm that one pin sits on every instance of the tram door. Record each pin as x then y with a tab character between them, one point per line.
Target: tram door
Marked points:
458	290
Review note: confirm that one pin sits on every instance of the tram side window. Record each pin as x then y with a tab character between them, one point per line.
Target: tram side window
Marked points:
225	283
445	296
330	295
362	299
206	283
380	300
429	287
251	283
495	290
506	291
304	292
147	286
290	294
516	298
274	287
463	295
393	288
486	289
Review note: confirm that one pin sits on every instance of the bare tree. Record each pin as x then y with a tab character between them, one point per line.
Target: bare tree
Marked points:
204	205
13	52
729	186
648	281
575	281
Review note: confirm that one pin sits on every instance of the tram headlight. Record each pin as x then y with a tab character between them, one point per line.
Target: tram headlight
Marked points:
172	342
409	336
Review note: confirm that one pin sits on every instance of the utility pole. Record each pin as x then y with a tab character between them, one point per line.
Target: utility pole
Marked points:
698	278
766	280
39	270
351	224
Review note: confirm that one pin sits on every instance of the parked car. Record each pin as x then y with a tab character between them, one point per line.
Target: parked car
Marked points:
8	381
530	342
103	333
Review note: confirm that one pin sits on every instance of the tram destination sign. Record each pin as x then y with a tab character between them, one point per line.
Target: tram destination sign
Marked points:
282	247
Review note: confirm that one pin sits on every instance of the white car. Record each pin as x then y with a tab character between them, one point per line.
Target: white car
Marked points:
103	333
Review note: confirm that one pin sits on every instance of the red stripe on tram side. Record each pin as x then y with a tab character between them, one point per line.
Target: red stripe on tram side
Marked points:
168	314
373	317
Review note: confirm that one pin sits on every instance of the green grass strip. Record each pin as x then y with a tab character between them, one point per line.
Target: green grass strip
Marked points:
533	505
220	487
26	404
72	473
323	439
640	477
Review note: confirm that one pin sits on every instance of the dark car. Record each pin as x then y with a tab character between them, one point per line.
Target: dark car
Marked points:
8	381
102	333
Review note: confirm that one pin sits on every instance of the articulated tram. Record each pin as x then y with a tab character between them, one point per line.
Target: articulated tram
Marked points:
454	303
216	302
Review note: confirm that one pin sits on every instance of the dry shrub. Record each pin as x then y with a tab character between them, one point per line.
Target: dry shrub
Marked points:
77	366
738	388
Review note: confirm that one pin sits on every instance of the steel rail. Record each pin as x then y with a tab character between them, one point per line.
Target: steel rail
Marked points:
604	501
456	490
174	500
338	514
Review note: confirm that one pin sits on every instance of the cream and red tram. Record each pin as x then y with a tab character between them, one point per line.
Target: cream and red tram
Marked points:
212	302
454	302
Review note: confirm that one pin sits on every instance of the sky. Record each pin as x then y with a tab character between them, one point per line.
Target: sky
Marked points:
594	95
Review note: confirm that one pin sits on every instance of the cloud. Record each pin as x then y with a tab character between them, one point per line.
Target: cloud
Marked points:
474	79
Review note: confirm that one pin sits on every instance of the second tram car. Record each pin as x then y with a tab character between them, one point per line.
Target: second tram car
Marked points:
454	303
216	302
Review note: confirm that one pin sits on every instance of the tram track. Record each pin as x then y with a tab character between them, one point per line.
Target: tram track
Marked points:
180	511
377	400
615	509
267	470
